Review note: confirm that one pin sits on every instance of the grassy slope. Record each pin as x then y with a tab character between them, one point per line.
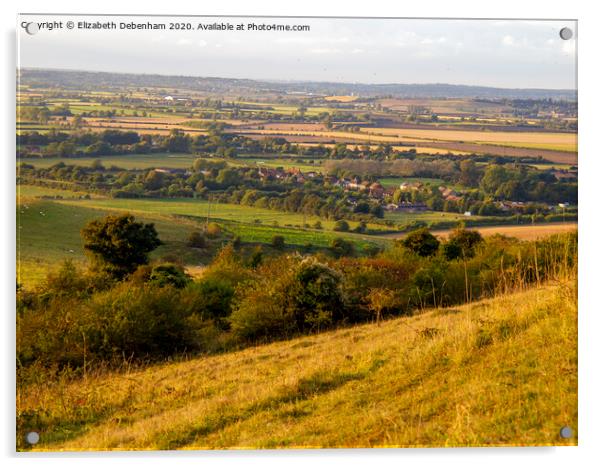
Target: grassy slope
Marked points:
49	232
497	372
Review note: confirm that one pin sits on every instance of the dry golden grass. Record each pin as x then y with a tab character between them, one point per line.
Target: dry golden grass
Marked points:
568	141
525	232
522	232
496	372
341	98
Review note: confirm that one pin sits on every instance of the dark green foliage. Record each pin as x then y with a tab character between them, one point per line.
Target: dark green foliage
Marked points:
135	321
210	297
317	298
169	274
421	242
341	225
118	244
342	248
76	319
461	244
290	296
197	240
278	241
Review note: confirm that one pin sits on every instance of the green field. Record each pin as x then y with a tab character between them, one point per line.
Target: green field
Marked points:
216	211
403	218
48	232
128	162
274	162
28	192
395	181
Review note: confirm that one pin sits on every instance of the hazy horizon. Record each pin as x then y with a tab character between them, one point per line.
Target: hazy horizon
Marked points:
506	54
285	81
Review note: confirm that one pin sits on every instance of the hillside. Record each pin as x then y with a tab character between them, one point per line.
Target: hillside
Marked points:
496	372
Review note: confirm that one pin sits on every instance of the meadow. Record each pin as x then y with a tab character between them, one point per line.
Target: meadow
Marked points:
48	232
499	372
128	162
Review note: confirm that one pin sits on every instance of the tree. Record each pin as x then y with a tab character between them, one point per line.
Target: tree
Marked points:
118	244
169	274
469	173
461	244
341	225
379	299
421	242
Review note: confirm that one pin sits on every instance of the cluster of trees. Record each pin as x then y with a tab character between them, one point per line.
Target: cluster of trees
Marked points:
522	184
213	180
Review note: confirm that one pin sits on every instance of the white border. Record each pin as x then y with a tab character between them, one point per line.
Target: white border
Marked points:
590	155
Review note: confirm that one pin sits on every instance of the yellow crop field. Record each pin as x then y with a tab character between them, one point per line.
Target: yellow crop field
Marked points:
341	98
517	138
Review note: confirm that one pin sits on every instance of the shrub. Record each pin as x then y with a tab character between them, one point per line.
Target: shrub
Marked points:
169	274
341	225
421	242
461	244
289	296
145	321
278	241
135	321
197	240
211	297
213	230
342	248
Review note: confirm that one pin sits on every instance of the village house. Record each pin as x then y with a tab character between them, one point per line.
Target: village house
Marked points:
376	190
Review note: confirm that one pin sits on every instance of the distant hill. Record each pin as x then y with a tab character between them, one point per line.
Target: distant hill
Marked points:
496	372
92	80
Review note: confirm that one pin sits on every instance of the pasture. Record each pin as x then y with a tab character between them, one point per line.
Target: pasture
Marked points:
48	232
128	162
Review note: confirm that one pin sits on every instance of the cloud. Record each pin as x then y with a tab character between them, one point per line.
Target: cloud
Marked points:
322	51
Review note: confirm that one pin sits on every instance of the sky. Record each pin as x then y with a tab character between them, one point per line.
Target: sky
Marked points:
499	53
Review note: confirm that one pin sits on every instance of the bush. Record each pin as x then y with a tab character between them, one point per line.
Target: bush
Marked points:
342	248
278	241
135	321
209	298
421	242
197	240
341	225
461	244
213	230
289	296
169	274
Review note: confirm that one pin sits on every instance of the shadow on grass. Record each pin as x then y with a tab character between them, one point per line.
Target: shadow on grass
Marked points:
307	388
